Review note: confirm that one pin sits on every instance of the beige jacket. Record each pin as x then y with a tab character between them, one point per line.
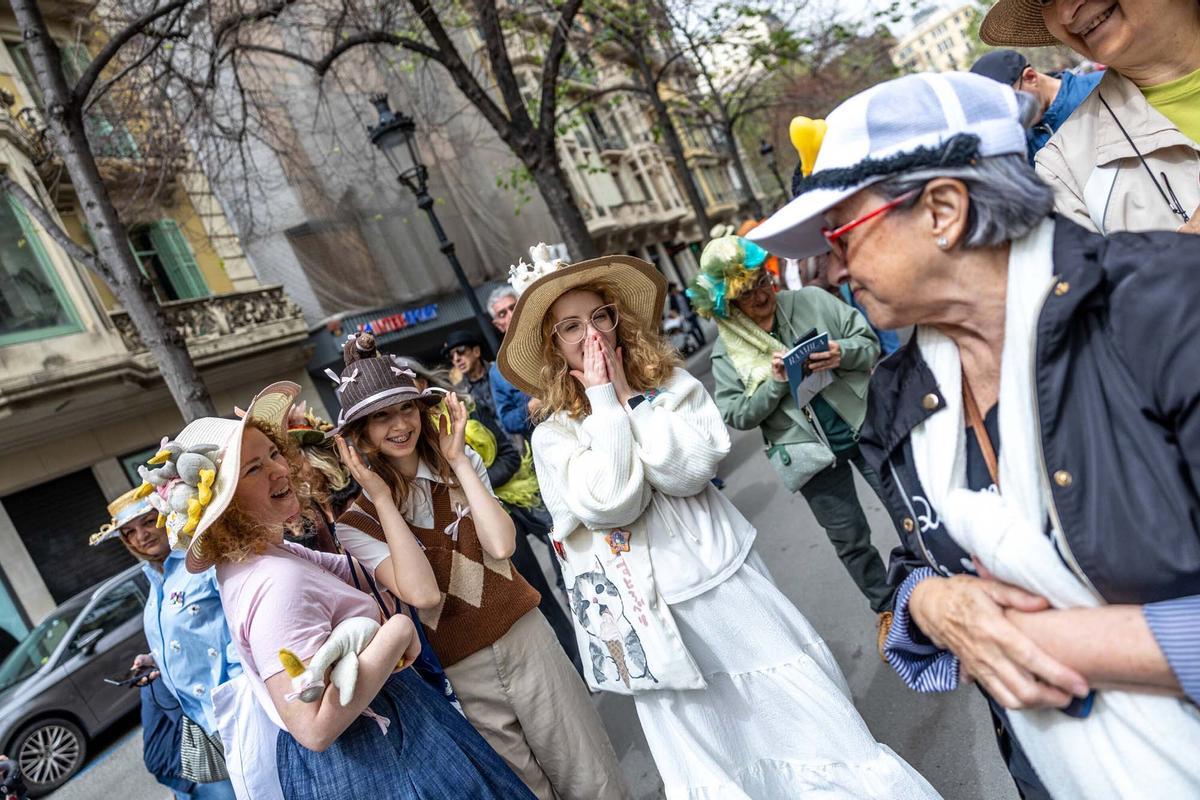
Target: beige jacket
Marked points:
1097	178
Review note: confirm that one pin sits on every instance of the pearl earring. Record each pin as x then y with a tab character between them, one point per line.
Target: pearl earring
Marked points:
943	242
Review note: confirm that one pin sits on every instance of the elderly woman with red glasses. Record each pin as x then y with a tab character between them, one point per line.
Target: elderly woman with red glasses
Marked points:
811	445
1037	439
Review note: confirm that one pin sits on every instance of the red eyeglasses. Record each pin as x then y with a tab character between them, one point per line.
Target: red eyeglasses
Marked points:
834	236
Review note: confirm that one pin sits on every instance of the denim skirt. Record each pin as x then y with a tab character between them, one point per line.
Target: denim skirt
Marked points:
430	752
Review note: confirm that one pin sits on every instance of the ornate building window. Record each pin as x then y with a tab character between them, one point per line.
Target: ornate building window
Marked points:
33	304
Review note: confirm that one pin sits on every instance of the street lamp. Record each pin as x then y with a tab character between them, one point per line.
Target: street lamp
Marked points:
768	152
394	136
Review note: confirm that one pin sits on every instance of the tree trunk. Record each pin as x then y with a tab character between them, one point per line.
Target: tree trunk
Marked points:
555	189
736	154
64	118
674	145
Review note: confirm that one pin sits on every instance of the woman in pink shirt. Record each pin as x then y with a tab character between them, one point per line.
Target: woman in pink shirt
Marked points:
395	737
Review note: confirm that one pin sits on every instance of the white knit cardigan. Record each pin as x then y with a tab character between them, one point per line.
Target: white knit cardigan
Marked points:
615	466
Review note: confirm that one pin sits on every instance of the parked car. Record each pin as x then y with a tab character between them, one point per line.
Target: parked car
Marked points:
53	698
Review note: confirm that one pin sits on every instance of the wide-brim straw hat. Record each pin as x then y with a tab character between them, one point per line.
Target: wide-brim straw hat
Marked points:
1016	23
270	407
641	288
124	509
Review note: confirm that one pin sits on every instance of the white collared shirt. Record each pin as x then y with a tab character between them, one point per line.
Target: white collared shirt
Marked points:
417	511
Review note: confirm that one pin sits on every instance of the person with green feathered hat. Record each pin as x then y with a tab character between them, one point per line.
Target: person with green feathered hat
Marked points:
811	447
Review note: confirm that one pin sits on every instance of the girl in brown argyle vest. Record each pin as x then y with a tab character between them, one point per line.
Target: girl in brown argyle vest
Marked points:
429	526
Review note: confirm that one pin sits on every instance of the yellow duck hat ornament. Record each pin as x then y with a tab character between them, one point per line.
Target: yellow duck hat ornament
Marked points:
180	486
806	135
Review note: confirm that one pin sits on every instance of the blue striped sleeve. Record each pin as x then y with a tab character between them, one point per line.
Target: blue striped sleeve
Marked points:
1176	627
921	665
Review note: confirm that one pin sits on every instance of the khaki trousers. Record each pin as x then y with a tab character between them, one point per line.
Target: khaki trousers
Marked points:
528	702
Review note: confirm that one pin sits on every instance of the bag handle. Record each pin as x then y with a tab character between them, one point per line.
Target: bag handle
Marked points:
975	420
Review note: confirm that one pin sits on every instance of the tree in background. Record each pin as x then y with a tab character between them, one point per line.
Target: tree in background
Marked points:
639	35
488	49
78	137
738	51
837	59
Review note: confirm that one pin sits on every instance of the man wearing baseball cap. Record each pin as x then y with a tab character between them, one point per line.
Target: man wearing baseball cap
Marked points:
1058	97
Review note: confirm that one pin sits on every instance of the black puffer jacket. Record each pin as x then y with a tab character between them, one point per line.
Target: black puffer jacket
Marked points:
1117	371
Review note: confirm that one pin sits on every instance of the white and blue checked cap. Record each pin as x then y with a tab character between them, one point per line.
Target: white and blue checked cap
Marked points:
898	116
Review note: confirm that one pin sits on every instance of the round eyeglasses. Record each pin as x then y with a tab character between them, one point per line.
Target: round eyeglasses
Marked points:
573	330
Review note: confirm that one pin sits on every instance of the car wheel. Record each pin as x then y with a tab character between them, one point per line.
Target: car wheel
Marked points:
49	752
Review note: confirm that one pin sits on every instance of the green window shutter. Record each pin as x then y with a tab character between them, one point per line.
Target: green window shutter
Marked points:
177	260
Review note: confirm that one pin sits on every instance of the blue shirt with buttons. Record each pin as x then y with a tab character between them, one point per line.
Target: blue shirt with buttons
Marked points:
189	638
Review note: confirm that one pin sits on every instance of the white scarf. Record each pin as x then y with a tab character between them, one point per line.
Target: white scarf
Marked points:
1131	745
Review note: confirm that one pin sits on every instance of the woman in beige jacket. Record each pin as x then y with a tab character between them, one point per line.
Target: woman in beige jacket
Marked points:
1129	157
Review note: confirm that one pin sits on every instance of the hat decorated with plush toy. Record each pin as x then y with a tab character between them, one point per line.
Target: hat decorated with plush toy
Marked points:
124	509
729	266
191	480
372	380
641	288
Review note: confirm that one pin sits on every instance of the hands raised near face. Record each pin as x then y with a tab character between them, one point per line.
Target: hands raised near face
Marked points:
452	431
595	366
373	484
603	364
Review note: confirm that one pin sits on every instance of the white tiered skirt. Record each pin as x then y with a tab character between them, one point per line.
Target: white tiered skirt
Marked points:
776	721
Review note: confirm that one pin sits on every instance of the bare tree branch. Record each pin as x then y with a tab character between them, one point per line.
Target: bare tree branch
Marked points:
553	65
118	40
36	210
120	76
500	63
593	96
375	37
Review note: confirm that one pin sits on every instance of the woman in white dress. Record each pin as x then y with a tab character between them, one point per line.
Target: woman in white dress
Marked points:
737	694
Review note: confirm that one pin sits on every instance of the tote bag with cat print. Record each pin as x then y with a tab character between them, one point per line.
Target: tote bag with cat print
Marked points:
627	638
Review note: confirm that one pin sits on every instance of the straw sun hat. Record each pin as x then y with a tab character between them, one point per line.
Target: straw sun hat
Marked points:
192	479
1016	23
124	509
641	288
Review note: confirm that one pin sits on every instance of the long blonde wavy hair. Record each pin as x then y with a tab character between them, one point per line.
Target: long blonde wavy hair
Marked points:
236	535
648	358
427	449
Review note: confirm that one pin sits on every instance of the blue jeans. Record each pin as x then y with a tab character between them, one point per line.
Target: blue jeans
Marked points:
221	790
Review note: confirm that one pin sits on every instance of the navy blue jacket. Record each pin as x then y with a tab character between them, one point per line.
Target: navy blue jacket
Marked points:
1117	374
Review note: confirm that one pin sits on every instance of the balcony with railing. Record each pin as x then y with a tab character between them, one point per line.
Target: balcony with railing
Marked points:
225	325
128	161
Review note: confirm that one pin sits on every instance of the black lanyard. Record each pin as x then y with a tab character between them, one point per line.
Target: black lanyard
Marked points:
1172	201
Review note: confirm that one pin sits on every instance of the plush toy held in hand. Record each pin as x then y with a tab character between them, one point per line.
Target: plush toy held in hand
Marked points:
340	652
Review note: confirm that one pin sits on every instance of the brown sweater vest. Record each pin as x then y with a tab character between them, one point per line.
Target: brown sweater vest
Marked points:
482	597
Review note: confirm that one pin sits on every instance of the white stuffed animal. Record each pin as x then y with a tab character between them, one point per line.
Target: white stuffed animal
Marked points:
340	652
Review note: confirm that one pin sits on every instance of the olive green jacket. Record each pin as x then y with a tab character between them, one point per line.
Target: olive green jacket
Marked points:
772	407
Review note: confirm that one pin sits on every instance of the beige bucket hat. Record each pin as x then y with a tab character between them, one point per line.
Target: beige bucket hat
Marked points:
1016	23
641	287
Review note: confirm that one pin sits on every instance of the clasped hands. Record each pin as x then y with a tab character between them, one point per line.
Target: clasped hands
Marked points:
603	364
973	617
